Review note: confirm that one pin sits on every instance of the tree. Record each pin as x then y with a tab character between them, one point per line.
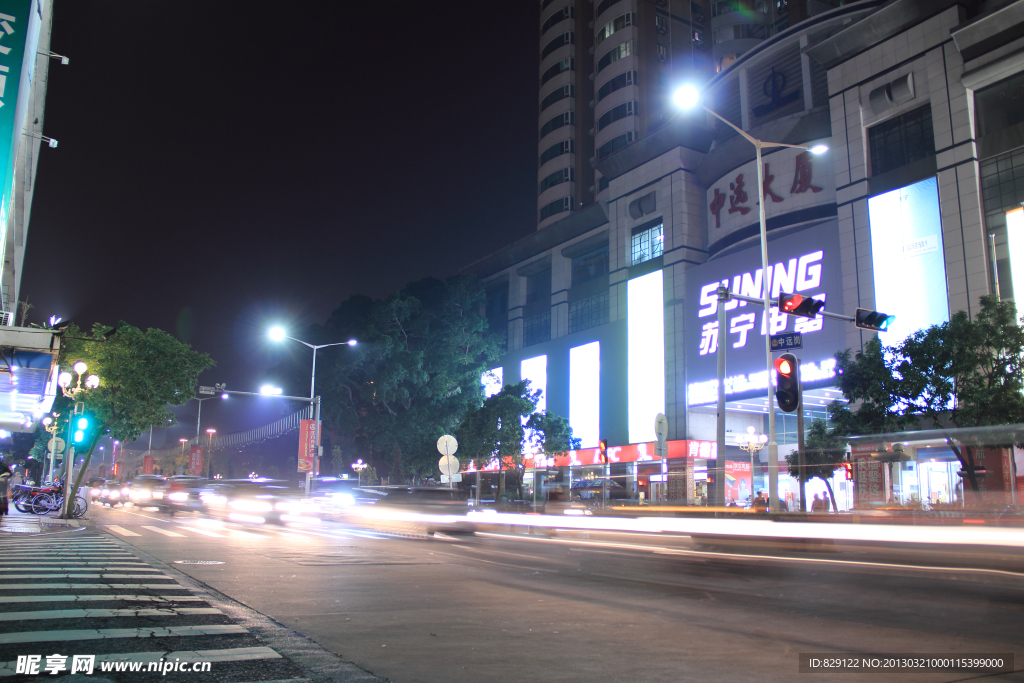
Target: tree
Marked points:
960	374
141	373
823	453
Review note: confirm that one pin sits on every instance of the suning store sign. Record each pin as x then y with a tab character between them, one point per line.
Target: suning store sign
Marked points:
807	263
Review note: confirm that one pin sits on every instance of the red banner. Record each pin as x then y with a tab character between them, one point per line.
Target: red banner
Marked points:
872	481
307	445
147	464
738	482
195	464
634	452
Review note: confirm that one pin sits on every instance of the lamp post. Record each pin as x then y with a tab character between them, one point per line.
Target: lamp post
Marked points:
687	97
64	382
359	466
278	334
752	445
199	414
209	455
183	441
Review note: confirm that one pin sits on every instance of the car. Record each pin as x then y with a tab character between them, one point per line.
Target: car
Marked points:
184	493
146	490
335	494
417	510
256	501
95	488
113	493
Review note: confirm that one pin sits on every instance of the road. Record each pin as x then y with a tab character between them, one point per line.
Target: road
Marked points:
507	606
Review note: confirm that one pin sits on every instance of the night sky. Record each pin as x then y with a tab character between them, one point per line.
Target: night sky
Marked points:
224	166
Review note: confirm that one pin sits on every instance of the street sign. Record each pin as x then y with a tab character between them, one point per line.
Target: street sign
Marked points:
447	445
445	479
55	445
448	464
784	342
206	390
661	431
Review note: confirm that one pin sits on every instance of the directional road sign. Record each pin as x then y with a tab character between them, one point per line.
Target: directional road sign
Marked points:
785	342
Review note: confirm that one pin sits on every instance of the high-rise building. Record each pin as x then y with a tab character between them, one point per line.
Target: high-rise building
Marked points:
607	69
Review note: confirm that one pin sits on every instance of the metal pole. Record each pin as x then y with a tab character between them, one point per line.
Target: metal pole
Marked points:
802	459
723	296
316	449
199	417
995	266
312	384
70	468
773	447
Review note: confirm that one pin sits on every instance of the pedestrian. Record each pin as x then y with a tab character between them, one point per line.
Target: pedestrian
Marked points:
816	504
760	503
5	478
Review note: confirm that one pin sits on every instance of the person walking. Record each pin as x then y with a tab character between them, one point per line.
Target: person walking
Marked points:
5	479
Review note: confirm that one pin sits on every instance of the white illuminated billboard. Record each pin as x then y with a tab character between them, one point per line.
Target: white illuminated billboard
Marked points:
536	370
908	260
585	393
1015	245
645	348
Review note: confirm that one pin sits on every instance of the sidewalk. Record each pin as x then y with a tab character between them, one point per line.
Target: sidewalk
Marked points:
21	523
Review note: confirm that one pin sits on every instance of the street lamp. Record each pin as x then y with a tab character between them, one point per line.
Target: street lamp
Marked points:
199	413
752	444
209	455
687	97
359	466
278	334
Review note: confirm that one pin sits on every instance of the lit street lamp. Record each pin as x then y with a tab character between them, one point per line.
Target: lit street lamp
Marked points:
752	444
687	97
72	392
359	466
278	334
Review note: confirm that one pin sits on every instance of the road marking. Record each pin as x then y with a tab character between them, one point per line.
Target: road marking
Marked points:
237	654
105	613
120	530
165	532
88	576
139	514
88	586
49	570
107	633
204	532
111	598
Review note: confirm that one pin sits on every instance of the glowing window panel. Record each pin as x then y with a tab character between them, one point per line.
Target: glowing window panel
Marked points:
585	393
1015	245
645	362
492	381
536	370
908	260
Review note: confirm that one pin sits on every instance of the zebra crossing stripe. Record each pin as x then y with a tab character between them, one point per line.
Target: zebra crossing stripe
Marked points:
105	613
8	599
88	586
109	633
121	564
88	576
237	654
49	570
121	530
165	532
204	532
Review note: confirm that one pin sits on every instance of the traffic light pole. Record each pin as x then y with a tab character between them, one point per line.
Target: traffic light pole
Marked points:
801	453
719	501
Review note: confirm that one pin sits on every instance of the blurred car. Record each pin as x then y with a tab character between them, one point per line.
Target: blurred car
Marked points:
593	489
184	493
335	494
257	501
145	490
417	510
113	493
95	487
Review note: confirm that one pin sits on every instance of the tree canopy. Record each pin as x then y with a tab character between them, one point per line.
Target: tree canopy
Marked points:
823	453
961	374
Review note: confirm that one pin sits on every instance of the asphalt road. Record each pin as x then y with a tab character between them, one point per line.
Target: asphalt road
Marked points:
508	606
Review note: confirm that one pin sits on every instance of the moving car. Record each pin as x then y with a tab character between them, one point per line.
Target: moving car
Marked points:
145	490
184	493
257	501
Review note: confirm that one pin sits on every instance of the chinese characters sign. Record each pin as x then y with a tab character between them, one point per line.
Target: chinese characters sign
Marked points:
793	179
307	445
195	460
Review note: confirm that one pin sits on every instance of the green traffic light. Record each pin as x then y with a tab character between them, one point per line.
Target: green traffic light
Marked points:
79	436
83	422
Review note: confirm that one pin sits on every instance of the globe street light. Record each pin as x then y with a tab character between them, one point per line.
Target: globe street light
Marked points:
359	466
687	97
278	334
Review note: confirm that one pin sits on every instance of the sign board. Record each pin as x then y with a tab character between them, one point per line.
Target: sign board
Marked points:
55	445
661	432
307	445
206	390
448	464
455	479
147	464
786	342
447	445
195	461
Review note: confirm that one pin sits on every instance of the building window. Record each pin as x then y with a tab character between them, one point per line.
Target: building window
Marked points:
661	23
566	119
616	24
696	12
603	6
557	178
567	12
648	241
556	150
589	312
590	266
602	184
618	52
556	207
559	67
537	329
567	38
662	53
698	37
999	106
617	143
617	113
556	95
497	314
619	82
902	140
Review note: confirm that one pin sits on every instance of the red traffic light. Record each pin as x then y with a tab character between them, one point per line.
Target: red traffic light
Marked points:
789	302
799	305
783	366
602	448
848	468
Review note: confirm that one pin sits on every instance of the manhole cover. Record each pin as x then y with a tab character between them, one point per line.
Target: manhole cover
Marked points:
197	562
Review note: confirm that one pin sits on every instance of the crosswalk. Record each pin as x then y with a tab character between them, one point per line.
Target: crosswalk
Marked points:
71	601
205	528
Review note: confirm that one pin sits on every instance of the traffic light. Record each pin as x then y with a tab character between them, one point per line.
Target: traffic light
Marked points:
602	448
873	320
848	468
798	304
787	383
81	424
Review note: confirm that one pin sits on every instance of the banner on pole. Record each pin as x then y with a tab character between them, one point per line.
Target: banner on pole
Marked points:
307	445
195	464
147	464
